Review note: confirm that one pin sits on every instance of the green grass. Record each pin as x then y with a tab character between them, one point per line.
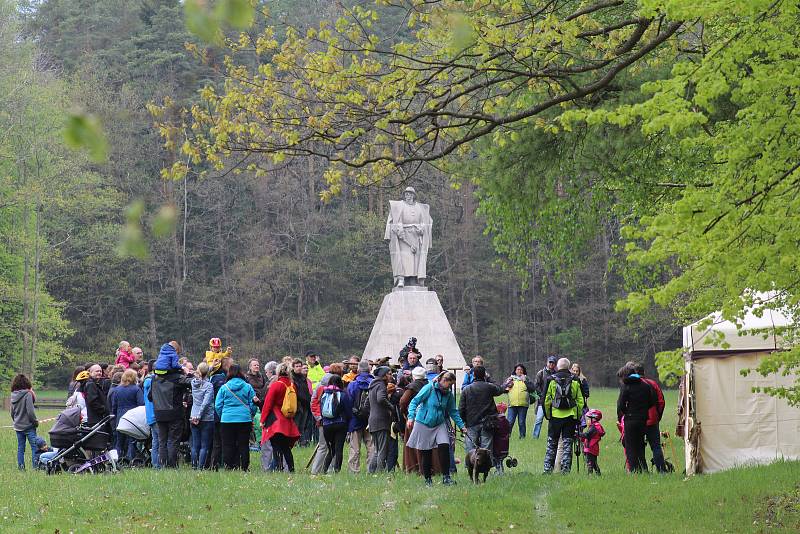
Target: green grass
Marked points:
742	500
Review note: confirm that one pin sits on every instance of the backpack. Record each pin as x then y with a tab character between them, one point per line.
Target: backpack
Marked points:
360	406
331	404
289	406
563	398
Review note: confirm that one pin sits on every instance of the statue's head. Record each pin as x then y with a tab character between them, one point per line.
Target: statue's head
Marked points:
409	194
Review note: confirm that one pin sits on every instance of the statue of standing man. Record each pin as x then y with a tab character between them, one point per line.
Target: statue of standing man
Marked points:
408	230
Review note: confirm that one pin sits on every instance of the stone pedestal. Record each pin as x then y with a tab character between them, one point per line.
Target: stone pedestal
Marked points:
413	311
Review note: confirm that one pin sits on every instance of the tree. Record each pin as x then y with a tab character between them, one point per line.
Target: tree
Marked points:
373	106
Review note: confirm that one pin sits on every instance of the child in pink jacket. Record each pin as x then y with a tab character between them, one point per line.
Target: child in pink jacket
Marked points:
591	440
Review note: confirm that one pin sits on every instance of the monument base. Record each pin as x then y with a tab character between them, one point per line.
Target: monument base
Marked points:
413	311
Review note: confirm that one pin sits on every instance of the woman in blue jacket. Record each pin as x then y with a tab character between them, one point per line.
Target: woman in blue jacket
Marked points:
126	396
235	407
427	415
336	408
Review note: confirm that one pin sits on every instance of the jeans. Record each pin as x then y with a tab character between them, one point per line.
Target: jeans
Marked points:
479	436
28	434
520	413
236	445
154	446
653	437
380	440
537	427
394	454
335	435
169	435
125	445
45	457
202	441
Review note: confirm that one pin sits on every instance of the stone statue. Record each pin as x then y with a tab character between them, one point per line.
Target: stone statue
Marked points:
408	231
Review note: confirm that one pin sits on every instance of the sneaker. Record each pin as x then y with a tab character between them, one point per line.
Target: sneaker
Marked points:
447	481
428	482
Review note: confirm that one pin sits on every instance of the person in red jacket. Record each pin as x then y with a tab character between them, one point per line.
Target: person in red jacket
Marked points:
651	431
591	440
279	430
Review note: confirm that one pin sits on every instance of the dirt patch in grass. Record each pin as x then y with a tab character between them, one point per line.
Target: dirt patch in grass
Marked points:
779	512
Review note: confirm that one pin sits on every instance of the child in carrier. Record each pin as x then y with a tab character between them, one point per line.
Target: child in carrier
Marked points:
168	358
502	433
591	440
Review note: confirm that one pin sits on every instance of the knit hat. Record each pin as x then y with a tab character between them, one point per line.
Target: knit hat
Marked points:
502	407
382	371
418	372
363	366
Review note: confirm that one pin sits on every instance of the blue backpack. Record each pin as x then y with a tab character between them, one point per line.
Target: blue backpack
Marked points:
331	403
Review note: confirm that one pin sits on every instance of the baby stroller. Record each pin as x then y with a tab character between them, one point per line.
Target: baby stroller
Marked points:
134	424
82	449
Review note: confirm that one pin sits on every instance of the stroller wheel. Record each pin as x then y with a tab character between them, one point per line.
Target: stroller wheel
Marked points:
511	462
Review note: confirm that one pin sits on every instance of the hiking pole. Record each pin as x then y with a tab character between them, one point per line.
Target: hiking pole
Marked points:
313	454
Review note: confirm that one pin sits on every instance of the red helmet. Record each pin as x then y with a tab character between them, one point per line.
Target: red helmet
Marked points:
595	414
215	342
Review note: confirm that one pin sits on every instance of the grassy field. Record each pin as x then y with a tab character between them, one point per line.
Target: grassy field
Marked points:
761	499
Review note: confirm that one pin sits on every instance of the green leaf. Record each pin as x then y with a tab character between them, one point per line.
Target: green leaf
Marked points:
201	22
132	243
237	13
85	131
164	221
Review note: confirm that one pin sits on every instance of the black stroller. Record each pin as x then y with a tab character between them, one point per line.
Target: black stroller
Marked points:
81	449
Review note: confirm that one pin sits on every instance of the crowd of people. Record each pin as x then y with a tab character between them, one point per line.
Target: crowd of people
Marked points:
222	411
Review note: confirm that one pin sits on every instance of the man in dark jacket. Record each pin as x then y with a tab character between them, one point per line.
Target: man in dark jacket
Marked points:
540	384
96	396
477	408
380	419
651	431
166	393
636	397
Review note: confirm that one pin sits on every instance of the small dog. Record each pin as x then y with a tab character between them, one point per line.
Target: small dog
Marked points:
478	461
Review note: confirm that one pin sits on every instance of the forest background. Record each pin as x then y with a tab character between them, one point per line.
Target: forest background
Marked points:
542	229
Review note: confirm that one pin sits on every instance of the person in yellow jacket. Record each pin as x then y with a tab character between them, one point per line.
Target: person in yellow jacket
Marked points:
215	355
519	397
315	370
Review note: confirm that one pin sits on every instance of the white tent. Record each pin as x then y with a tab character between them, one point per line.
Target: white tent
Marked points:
726	424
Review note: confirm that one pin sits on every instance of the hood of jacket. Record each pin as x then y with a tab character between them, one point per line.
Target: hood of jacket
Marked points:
237	385
564	373
198	382
376	383
363	380
18	395
167	351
